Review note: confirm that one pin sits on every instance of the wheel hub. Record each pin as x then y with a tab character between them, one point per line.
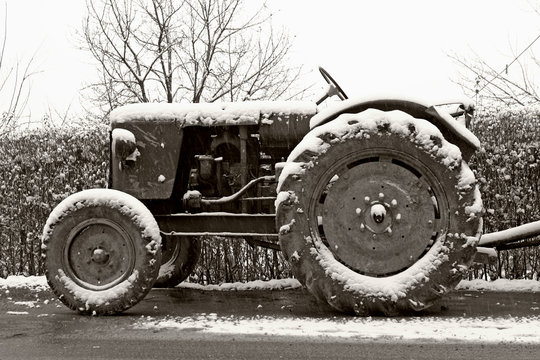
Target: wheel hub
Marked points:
376	216
99	254
379	217
378	212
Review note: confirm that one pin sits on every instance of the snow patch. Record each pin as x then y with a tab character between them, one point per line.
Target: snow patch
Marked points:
505	285
483	329
123	135
284	229
274	284
287	197
30	304
34	283
211	114
290	169
39	283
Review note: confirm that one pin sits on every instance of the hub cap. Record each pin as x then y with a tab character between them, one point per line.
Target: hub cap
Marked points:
98	254
379	216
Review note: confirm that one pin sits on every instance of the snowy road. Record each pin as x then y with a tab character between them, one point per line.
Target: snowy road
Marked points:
263	324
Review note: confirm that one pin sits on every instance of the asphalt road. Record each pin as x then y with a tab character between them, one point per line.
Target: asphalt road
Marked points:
33	325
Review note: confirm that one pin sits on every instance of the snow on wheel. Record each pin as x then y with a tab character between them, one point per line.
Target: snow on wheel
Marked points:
377	213
179	258
102	251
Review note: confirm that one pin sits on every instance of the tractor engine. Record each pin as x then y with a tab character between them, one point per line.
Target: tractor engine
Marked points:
225	161
220	170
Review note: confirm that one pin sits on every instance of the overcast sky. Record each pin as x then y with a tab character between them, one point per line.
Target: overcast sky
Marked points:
369	46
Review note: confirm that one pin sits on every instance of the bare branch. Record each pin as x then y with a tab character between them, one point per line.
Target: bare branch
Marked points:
197	50
15	84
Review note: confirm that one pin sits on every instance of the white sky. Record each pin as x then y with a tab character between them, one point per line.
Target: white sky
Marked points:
368	46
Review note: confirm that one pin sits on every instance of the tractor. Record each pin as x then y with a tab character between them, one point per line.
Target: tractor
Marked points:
370	200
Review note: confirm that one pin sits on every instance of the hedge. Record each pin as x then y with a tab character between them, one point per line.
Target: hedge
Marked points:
508	170
40	167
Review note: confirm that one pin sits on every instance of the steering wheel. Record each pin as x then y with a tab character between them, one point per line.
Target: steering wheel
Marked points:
337	89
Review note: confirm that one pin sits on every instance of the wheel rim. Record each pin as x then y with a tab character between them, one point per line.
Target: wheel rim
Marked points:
98	254
379	211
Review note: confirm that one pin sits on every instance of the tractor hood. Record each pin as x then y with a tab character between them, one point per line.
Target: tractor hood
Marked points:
210	114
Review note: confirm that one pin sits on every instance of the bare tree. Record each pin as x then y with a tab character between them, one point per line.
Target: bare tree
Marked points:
191	50
513	84
14	82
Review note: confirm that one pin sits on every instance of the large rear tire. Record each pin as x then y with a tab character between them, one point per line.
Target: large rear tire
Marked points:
102	251
179	258
378	213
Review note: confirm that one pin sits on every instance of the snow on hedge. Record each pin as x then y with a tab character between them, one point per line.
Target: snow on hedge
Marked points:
211	114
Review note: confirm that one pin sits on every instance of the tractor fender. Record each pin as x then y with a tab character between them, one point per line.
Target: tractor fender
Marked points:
451	129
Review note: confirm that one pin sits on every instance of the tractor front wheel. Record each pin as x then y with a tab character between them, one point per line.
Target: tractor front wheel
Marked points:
102	251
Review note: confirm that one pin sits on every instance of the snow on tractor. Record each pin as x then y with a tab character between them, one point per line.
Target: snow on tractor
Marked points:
371	201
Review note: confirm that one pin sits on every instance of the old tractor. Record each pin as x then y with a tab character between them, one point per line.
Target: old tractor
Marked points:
370	200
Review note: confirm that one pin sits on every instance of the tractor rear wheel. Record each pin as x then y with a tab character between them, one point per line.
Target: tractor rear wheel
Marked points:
378	213
179	258
102	251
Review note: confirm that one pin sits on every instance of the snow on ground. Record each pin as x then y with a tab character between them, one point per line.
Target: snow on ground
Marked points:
36	283
39	283
500	285
486	329
17	312
281	284
479	329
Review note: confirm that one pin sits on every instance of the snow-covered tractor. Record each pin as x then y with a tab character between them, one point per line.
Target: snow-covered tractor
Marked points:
370	200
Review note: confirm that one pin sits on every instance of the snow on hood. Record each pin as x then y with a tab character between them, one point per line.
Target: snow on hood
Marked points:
210	114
